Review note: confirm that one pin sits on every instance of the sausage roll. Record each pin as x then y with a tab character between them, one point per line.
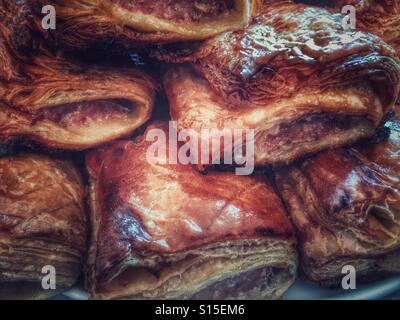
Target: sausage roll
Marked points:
65	105
163	231
42	224
144	21
295	76
345	205
60	102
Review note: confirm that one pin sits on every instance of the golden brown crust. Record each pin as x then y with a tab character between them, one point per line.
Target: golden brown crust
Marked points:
284	130
56	89
381	17
61	103
286	51
42	222
303	85
345	205
144	22
163	219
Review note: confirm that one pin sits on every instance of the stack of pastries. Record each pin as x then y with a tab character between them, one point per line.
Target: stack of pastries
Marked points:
80	193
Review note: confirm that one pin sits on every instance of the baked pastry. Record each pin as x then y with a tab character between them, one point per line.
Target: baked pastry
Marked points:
144	21
381	17
345	205
295	76
62	103
67	106
386	153
164	231
42	223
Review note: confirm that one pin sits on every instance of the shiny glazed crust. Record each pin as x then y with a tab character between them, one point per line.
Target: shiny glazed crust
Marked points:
283	70
195	106
286	51
162	231
381	17
345	205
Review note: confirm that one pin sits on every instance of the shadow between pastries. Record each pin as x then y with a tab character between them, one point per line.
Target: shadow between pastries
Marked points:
163	231
294	76
345	205
136	22
42	223
62	103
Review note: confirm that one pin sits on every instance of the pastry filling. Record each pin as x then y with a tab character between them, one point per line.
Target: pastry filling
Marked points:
22	290
310	129
247	284
192	283
89	112
182	11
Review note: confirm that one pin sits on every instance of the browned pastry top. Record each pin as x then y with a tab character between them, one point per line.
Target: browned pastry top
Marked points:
353	191
346	185
163	209
345	205
381	17
289	48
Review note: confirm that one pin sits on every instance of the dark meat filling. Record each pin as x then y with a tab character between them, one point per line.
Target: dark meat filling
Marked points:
183	11
250	283
24	290
308	129
87	112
